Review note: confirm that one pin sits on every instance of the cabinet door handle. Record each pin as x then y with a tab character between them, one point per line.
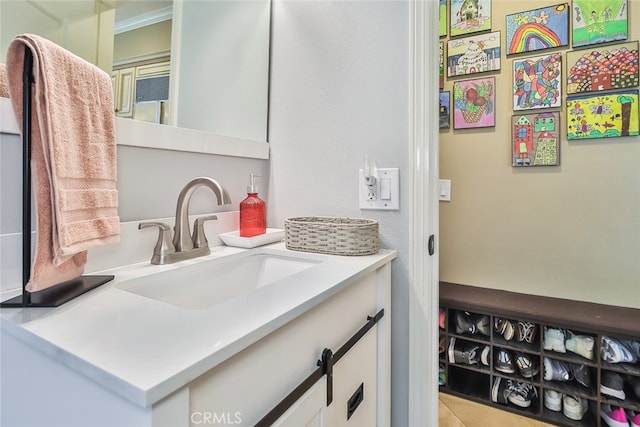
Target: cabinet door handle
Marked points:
354	401
432	244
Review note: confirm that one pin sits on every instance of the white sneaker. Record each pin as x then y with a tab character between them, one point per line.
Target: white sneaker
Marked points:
553	400
554	340
580	344
574	407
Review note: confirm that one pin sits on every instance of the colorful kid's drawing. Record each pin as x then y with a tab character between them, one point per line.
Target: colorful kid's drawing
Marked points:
469	16
445	109
603	68
441	66
598	21
473	54
473	103
536	139
537	82
442	8
538	29
605	115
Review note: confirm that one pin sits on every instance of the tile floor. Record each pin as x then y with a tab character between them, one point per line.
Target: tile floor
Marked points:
457	412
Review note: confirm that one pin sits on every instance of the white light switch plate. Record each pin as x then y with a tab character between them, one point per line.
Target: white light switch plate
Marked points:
444	188
387	190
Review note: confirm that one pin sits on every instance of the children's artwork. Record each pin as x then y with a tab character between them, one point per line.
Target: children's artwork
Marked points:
538	29
603	115
598	21
537	82
443	18
469	16
473	54
536	139
473	103
603	68
445	109
441	63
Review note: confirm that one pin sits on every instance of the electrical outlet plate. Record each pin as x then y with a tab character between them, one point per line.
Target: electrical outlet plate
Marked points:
386	190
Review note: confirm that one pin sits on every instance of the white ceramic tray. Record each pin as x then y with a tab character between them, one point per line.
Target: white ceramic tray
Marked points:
233	238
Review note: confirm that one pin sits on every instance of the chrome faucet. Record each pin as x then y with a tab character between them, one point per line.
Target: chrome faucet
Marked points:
184	244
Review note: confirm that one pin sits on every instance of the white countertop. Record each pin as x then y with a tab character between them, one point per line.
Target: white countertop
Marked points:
144	349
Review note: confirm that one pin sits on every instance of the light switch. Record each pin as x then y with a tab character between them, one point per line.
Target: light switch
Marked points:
385	189
445	190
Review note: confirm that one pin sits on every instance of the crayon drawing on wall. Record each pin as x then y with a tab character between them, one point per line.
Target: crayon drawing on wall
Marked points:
473	54
442	18
535	139
469	16
537	82
445	109
473	103
538	29
604	115
598	21
603	68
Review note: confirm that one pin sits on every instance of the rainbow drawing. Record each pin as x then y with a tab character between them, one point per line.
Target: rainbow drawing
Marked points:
533	36
538	29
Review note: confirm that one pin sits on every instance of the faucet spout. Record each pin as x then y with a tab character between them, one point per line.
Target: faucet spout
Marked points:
182	239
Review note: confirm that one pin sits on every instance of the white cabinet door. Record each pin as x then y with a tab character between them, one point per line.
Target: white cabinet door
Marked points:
123	91
355	385
308	411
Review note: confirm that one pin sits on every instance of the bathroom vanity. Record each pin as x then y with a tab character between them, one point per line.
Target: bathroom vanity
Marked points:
152	348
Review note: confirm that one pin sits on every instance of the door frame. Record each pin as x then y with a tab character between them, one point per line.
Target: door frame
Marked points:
424	220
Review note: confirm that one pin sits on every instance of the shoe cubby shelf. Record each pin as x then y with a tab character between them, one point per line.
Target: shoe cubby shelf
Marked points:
540	357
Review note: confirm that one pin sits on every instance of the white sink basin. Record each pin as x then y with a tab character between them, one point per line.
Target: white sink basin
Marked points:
211	282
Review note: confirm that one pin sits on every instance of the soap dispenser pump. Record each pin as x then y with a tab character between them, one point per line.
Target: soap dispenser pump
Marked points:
253	217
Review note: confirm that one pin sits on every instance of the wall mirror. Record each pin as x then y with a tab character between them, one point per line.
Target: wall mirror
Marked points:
218	55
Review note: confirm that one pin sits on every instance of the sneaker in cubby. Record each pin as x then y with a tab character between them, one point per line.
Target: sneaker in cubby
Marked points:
553	340
579	344
526	331
504	362
463	352
613	350
614	416
581	373
553	400
485	355
634	418
574	407
556	370
527	366
522	394
505	327
612	384
500	390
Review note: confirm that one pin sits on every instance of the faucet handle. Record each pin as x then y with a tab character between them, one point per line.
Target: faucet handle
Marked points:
198	237
164	245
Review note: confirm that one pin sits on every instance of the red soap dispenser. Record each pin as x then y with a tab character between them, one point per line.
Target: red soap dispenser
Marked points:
253	216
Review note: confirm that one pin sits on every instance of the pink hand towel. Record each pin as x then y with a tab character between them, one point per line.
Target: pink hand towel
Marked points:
73	157
4	89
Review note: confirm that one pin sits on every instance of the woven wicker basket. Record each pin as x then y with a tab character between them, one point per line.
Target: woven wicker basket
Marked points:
331	235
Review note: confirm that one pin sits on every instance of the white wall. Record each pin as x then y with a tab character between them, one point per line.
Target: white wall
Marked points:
149	181
339	91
